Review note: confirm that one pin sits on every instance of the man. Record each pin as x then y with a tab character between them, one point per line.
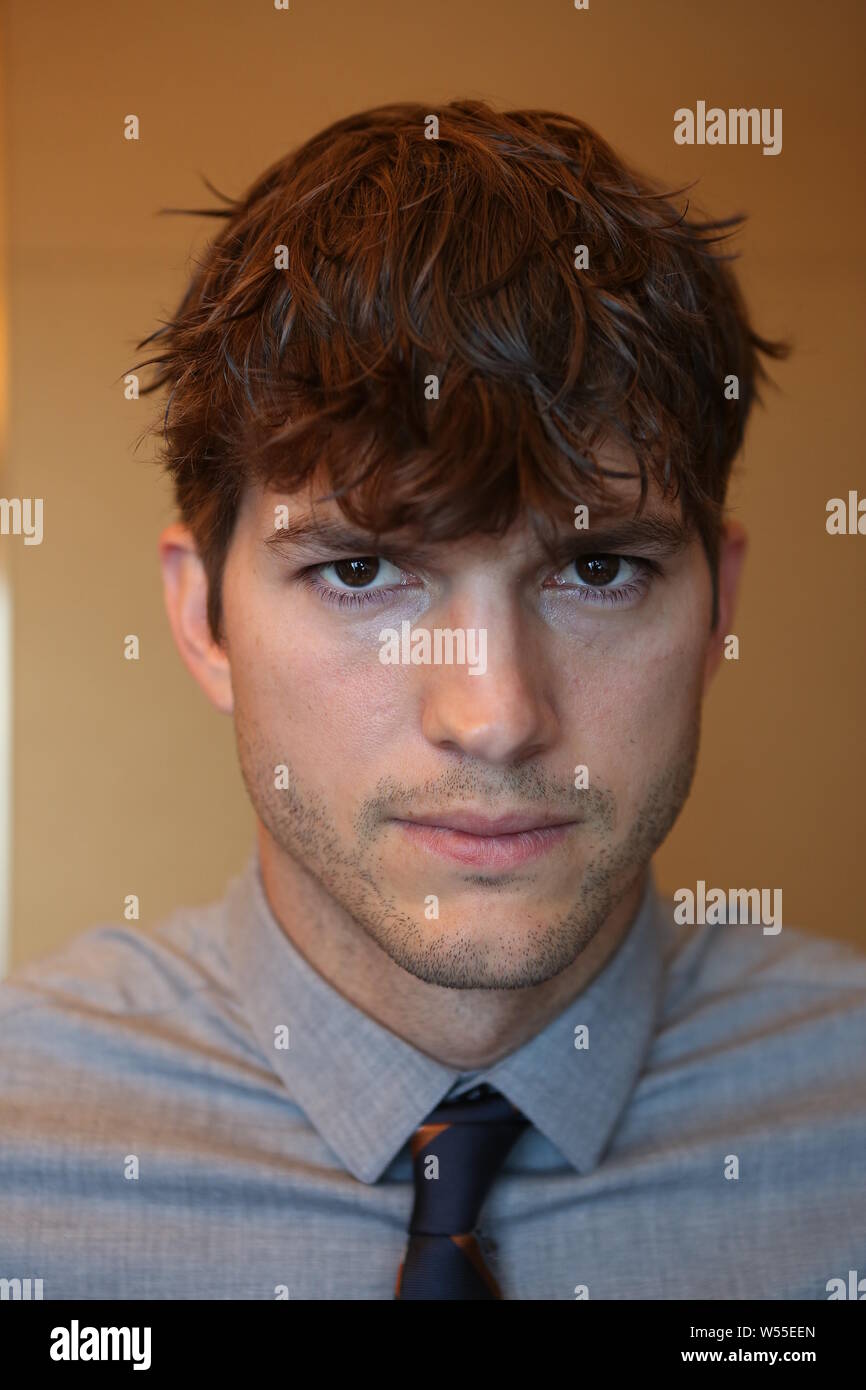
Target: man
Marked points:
454	399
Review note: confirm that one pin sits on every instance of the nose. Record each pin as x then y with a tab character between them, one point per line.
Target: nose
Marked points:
503	716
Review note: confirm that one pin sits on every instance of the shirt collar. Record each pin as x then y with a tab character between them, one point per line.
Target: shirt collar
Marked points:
366	1090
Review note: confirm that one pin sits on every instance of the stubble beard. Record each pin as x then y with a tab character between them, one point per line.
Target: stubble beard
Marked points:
353	876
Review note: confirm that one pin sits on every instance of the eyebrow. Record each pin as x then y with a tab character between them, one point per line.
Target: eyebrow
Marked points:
653	535
325	535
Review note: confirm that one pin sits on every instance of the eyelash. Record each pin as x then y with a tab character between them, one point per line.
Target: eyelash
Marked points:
346	598
634	588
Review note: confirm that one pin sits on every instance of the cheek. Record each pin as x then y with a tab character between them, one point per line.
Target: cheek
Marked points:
634	704
326	706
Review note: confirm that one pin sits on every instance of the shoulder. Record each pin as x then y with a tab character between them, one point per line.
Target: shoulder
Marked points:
773	1014
120	969
750	958
102	1009
128	1068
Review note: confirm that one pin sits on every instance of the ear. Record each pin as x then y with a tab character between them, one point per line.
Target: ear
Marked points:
184	583
732	552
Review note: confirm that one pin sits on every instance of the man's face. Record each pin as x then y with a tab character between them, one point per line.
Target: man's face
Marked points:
361	769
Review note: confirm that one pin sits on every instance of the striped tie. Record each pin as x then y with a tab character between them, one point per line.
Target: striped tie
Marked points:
469	1139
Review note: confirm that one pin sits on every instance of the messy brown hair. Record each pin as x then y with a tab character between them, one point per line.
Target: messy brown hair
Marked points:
406	257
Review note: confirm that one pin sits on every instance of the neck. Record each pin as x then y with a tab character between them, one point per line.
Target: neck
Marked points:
460	1028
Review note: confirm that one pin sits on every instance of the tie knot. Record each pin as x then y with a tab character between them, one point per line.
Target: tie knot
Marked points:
456	1154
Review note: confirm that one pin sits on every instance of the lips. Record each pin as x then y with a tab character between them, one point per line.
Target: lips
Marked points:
487	842
473	823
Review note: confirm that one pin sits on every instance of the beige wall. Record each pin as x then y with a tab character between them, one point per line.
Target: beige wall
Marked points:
5	556
124	780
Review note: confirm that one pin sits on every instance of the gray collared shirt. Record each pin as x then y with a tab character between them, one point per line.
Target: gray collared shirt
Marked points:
159	1139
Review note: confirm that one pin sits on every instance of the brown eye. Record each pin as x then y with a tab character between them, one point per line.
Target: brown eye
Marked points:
356	572
598	569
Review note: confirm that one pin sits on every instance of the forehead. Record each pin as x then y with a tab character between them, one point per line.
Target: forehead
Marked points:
607	505
308	516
